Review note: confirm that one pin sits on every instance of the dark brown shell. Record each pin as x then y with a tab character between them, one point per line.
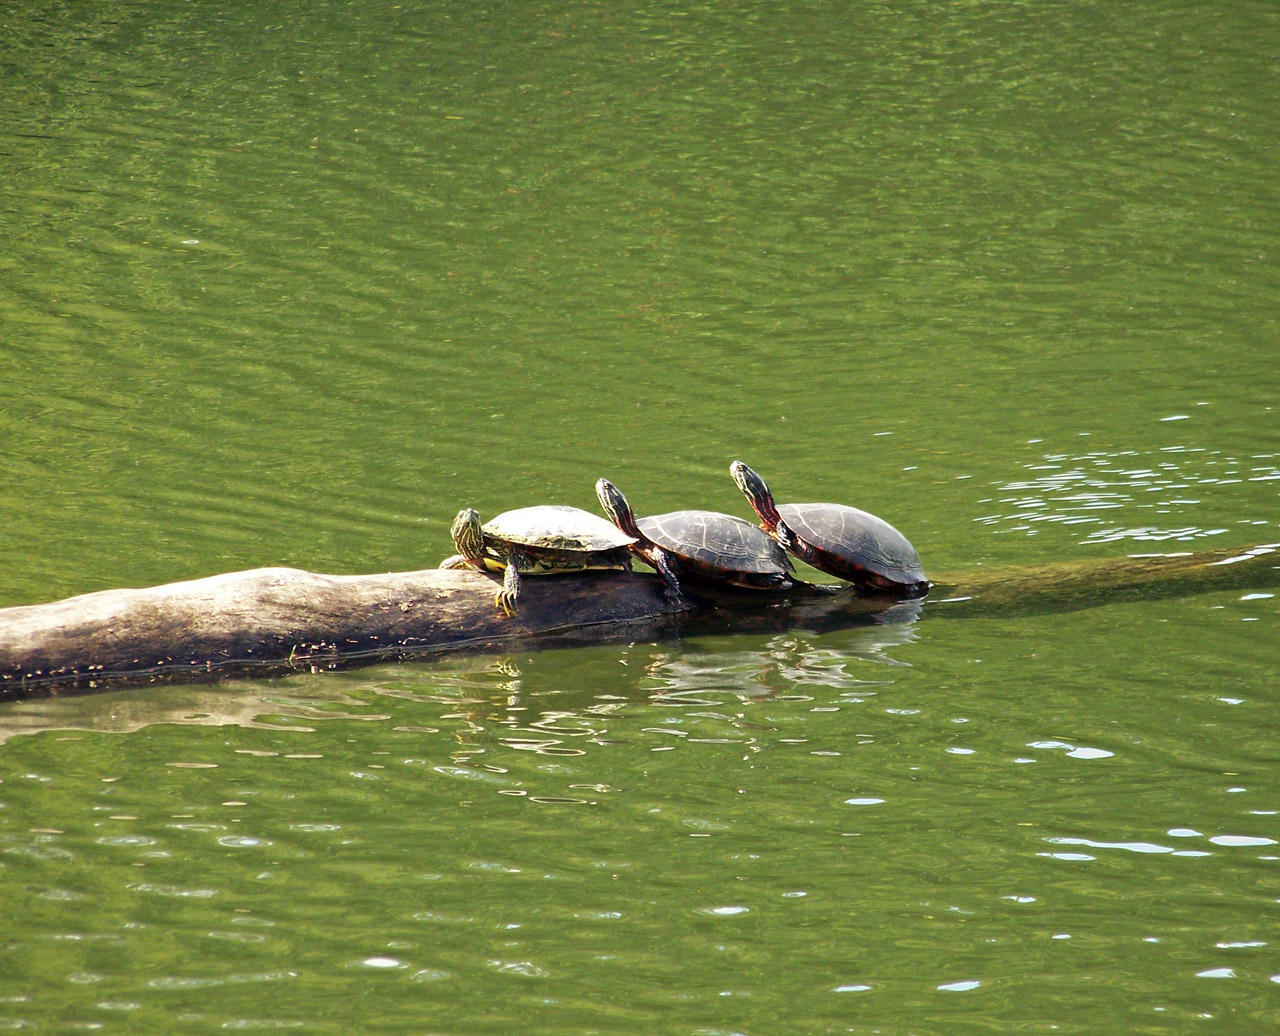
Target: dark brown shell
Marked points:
716	542
856	540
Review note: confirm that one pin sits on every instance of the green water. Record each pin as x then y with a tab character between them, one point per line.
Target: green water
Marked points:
291	283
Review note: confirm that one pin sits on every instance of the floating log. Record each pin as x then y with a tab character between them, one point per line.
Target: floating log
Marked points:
287	619
273	620
1072	585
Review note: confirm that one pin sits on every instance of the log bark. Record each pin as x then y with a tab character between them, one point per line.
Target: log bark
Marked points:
282	619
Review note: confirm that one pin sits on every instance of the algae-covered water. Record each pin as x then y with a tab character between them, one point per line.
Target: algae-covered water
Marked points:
290	284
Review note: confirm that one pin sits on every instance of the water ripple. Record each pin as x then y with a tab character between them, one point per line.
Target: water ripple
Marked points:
172	891
204	982
1080	489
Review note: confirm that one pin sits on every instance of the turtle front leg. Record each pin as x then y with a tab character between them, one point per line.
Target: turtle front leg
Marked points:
787	539
457	561
667	570
509	595
793	544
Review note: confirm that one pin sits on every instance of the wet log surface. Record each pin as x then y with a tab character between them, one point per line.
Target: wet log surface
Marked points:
1069	586
276	620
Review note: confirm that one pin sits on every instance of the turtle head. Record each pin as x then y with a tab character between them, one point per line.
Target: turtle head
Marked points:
616	507
468	537
754	489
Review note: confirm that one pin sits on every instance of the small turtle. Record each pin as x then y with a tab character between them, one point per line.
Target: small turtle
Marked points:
702	545
844	541
536	541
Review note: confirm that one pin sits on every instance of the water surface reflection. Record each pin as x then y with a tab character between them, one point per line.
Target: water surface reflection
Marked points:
541	702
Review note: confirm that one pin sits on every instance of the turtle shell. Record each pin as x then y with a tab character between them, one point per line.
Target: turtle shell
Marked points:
718	546
851	543
554	527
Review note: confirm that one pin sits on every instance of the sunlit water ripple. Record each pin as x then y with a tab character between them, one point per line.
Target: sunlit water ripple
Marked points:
1077	490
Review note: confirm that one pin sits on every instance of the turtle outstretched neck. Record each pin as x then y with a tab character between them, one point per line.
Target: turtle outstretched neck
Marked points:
754	489
619	511
757	493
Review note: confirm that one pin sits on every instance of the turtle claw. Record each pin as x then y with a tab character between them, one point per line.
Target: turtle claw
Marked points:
670	581
506	597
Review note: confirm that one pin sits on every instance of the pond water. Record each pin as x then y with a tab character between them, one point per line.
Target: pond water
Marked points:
290	284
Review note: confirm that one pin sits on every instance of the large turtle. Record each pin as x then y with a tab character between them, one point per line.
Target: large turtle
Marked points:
536	541
844	541
701	545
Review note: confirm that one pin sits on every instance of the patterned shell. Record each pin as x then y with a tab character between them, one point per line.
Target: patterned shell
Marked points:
717	540
857	537
555	527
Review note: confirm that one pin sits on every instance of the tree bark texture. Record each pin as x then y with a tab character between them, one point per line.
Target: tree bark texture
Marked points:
285	618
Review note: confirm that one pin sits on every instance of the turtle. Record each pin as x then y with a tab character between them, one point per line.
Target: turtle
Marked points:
843	541
536	541
701	545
